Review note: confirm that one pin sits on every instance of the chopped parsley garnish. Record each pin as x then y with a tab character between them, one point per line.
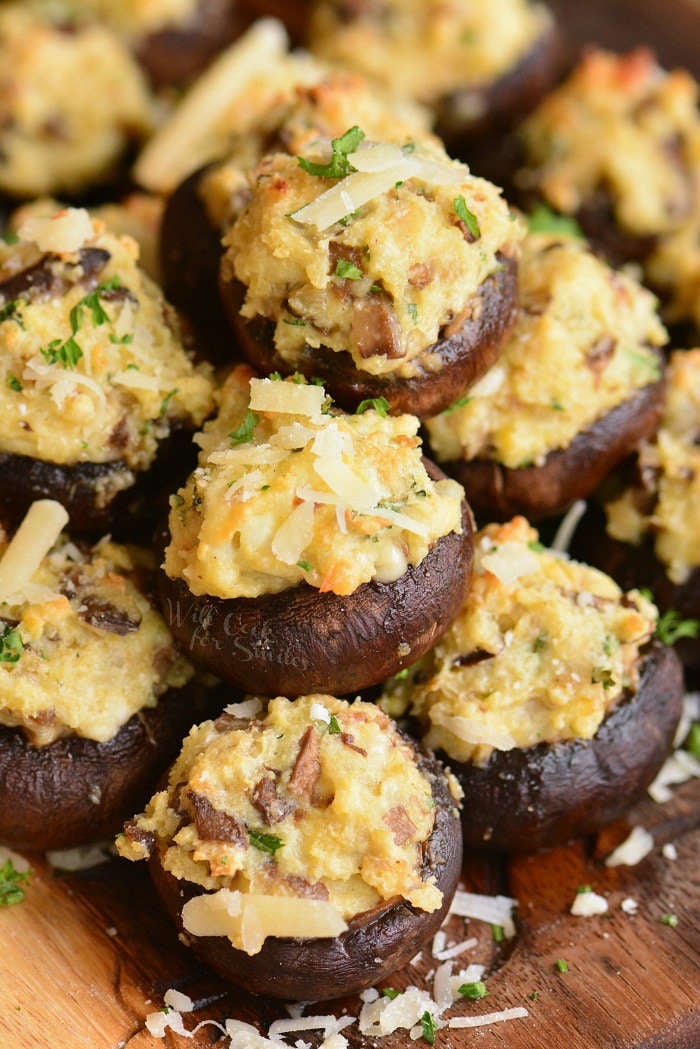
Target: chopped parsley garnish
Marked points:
561	965
264	842
67	353
391	993
428	1024
473	991
539	643
166	400
544	220
610	644
536	546
295	322
338	166
14	383
459	403
10	312
412	311
671	627
467	217
583	889
124	340
497	933
379	404
348	270
557	406
10	237
649	363
603	676
533	996
304	565
245	431
401	675
669	919
693	741
11	646
11	882
334	726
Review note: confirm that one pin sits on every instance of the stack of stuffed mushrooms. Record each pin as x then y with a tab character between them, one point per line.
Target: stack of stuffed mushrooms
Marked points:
249	412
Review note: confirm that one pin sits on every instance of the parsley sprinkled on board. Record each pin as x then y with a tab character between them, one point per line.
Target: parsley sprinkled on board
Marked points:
473	991
467	217
264	842
11	884
561	965
669	919
428	1025
391	993
244	432
338	166
497	933
693	740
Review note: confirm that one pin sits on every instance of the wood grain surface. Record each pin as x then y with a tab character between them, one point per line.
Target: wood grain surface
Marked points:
87	956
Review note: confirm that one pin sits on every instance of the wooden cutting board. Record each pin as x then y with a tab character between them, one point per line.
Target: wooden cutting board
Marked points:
87	956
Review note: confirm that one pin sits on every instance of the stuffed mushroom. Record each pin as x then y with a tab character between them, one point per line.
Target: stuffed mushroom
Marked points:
305	853
72	102
95	379
548	694
651	537
386	270
311	549
95	697
577	386
479	67
618	147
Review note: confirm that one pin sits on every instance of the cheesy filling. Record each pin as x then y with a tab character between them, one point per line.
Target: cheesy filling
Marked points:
295	115
290	491
425	49
582	345
668	504
131	18
622	125
378	263
92	368
82	648
673	267
70	103
542	649
315	799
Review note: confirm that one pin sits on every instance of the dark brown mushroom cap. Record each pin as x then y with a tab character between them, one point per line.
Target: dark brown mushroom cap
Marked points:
526	799
505	100
638	566
376	944
465	355
300	640
77	790
190	254
173	55
497	492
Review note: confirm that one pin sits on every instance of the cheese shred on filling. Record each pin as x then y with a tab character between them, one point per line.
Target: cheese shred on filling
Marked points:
92	366
69	629
374	249
330	814
543	648
582	344
288	490
666	501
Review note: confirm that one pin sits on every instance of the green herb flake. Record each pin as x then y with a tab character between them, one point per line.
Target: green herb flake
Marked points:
305	566
14	383
473	991
11	882
334	726
379	404
561	965
671	627
544	220
391	993
467	217
460	403
669	919
539	643
166	400
603	676
123	340
338	166
295	322
10	312
649	362
401	675
11	647
557	406
10	237
533	997
67	353
264	842
412	311
244	432
693	741
582	889
497	933
347	270
428	1024
536	546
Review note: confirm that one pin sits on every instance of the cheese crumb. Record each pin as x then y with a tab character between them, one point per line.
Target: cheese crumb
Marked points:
588	904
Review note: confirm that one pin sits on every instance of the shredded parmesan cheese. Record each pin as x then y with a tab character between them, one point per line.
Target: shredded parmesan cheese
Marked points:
30	544
517	1013
249	708
63	232
588	904
496	910
633	849
568	526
